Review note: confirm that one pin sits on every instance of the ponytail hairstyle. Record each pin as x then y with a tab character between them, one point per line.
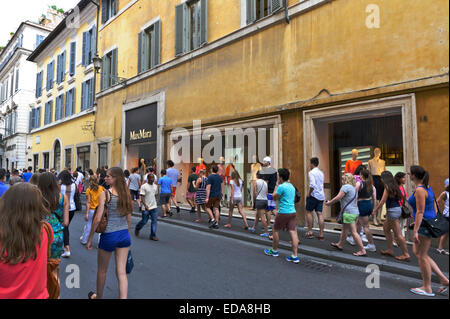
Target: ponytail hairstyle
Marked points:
93	184
125	204
421	174
368	178
391	185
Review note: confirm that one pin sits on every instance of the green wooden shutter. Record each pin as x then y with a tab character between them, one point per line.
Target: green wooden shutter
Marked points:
92	46
275	5
251	11
84	51
114	72
72	58
113	7
204	22
83	95
72	94
156	44
180	28
52	73
91	93
38	117
140	53
104	10
63	66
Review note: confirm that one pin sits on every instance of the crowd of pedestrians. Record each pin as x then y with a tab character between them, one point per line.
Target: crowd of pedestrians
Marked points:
51	198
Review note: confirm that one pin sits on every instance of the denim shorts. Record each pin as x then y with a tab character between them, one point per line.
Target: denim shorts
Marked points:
164	198
365	207
118	239
394	213
424	232
313	204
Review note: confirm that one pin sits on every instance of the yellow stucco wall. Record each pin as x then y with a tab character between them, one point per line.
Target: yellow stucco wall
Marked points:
329	47
69	133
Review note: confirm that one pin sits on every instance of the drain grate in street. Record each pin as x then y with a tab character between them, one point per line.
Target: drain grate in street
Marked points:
316	265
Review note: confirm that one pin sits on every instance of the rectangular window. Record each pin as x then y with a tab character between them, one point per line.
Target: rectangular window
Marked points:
59	107
258	9
39	78
70	102
88	46
46	161
102	155
68	158
109	69
73	52
87	94
39	39
149	44
17	79
61	69
35	162
109	9
37	117
191	25
48	112
50	74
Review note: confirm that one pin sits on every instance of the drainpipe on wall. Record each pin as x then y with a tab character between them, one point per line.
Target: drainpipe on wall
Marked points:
286	10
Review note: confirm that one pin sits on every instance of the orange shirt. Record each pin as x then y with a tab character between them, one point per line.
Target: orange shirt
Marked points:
351	166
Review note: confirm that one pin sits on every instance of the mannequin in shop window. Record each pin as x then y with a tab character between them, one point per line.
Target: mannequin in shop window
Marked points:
142	168
200	166
377	166
254	168
352	164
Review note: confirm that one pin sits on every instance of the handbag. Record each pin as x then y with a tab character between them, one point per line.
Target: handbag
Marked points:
53	286
101	228
437	226
130	262
340	218
406	209
298	196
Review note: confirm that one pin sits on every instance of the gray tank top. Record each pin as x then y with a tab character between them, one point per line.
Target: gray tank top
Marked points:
115	221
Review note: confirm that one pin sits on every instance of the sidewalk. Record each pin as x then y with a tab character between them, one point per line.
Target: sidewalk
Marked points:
309	247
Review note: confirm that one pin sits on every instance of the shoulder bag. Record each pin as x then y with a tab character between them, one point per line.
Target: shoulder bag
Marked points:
406	209
101	228
437	226
53	287
340	218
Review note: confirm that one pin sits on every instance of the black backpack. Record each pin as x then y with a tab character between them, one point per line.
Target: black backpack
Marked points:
298	195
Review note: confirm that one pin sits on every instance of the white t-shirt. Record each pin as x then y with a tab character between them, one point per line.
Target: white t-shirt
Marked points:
149	192
72	189
445	212
80	178
261	189
316	180
237	188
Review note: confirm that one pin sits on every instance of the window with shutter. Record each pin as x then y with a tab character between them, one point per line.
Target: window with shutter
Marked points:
84	49
156	45
83	96
104	10
275	5
114	67
72	94
203	22
17	79
63	67
72	58
180	28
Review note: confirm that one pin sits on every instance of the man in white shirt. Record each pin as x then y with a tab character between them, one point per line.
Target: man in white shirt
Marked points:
148	197
315	198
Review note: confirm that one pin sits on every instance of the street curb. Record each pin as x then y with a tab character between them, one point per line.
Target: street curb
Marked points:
385	266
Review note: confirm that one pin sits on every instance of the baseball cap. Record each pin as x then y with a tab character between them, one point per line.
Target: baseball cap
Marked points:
267	159
446	182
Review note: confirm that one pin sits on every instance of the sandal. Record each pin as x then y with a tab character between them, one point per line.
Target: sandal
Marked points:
359	255
91	294
402	258
227	226
320	237
386	253
309	236
336	246
421	292
198	221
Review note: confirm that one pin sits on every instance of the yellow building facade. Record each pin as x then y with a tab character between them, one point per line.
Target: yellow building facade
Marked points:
324	76
62	120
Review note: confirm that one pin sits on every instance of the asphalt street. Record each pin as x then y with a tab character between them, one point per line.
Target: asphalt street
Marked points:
190	264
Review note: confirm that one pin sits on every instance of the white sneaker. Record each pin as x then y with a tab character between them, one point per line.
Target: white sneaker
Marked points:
351	241
370	247
66	254
364	238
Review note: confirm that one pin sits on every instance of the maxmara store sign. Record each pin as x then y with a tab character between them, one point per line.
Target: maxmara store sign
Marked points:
141	124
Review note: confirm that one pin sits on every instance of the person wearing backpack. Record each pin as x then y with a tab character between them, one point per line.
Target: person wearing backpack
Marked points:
286	217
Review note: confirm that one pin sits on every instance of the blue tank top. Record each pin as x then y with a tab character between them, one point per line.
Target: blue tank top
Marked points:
430	211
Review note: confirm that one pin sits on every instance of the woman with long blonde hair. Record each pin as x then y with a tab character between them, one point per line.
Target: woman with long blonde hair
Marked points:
116	237
349	209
